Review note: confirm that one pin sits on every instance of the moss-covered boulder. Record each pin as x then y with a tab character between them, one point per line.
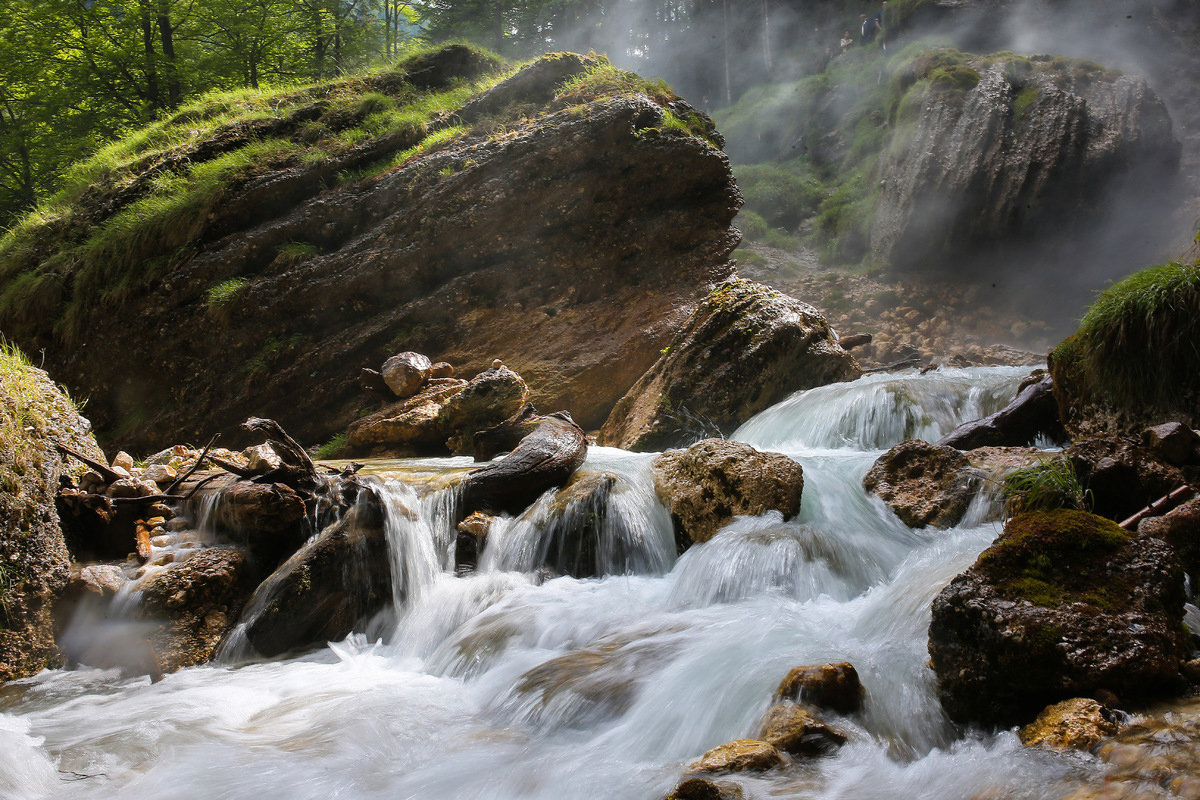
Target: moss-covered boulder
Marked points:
745	348
1063	604
556	217
35	415
707	485
1133	363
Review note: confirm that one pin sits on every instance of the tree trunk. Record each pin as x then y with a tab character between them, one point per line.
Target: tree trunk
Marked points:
153	93
171	65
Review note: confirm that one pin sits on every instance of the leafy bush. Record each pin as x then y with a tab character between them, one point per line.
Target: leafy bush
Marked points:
783	194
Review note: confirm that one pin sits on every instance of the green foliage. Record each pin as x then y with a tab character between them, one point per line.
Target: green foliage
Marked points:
334	448
1049	485
1139	344
222	294
294	253
1023	102
752	225
782	194
605	80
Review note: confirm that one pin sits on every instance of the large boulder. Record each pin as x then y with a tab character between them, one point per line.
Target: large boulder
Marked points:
707	485
407	427
312	270
488	399
325	588
925	484
195	603
745	348
405	373
35	416
1064	604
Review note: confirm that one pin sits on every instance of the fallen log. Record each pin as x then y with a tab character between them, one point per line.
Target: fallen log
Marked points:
543	459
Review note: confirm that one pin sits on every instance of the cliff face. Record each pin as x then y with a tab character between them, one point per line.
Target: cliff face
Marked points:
564	230
1003	149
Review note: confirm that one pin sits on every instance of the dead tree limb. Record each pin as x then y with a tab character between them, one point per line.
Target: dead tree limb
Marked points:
107	473
194	467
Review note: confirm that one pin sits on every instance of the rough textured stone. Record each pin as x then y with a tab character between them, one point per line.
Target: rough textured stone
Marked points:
1079	723
795	729
1173	442
832	686
488	399
705	789
407	427
1033	413
1180	528
196	601
711	482
740	755
405	373
620	234
925	484
1122	477
1063	604
34	562
745	348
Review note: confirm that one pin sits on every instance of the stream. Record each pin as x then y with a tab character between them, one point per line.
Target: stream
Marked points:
510	683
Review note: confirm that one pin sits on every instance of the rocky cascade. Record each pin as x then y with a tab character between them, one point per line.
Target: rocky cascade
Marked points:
745	348
996	149
567	230
35	417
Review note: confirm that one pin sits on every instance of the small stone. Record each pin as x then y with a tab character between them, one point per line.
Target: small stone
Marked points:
177	524
123	460
497	363
104	579
261	458
160	541
159	474
795	729
1079	723
705	789
740	755
441	369
832	686
125	487
477	524
121	471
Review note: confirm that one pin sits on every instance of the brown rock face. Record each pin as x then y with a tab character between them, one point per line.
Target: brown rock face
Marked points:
795	729
745	348
925	484
34	562
1079	723
1122	477
1179	528
740	755
713	481
832	686
566	246
407	427
1064	604
197	601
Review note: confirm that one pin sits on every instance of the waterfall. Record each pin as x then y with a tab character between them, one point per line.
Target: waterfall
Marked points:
556	668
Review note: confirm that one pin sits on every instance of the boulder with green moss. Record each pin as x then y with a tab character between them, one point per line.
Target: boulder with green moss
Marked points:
35	416
745	348
1064	604
557	217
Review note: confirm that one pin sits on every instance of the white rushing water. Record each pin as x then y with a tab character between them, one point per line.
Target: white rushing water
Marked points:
508	683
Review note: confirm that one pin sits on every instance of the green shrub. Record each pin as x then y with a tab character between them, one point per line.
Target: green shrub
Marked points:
752	225
222	294
334	448
1046	486
782	194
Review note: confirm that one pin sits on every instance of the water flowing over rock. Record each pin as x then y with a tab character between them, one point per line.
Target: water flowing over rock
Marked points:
711	482
795	729
925	484
832	686
1033	413
1063	604
1079	723
1004	149
35	416
740	755
745	348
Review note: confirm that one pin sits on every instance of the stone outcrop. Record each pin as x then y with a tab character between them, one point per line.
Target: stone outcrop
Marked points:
35	415
1123	477
1001	149
571	246
707	485
1064	604
925	484
745	348
408	426
1033	413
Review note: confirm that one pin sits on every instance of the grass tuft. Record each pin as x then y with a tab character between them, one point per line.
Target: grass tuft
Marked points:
1047	486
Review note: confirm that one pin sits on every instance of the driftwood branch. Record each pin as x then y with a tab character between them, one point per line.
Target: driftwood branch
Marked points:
287	448
229	466
194	467
106	472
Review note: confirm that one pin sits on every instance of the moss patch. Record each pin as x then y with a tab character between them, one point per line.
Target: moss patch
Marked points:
1055	557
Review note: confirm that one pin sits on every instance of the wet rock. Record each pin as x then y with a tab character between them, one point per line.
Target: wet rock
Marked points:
488	399
472	536
711	482
832	686
795	729
925	484
545	458
491	442
197	601
1033	413
1172	442
103	579
740	755
1079	723
407	427
1063	604
1122	477
327	586
745	348
34	416
855	340
405	373
1180	528
706	789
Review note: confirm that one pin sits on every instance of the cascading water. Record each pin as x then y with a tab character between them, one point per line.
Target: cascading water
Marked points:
509	683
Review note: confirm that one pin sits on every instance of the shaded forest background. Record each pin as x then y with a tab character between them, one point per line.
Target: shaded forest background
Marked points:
77	73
